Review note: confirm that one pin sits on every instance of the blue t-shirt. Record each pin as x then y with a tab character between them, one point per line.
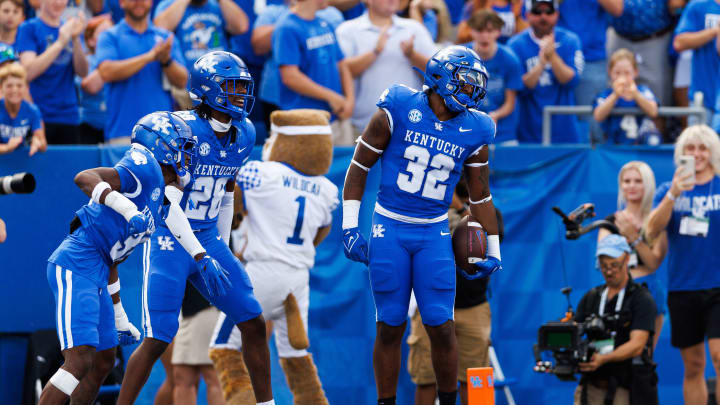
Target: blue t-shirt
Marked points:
548	90
240	44
131	99
28	119
312	46
642	17
424	159
269	90
588	21
218	161
201	29
142	182
504	73
54	89
697	16
93	108
629	129
693	261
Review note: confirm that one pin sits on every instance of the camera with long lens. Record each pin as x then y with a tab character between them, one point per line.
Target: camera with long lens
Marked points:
19	183
571	343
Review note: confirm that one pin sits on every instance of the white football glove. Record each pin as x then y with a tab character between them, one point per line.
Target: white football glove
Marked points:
127	332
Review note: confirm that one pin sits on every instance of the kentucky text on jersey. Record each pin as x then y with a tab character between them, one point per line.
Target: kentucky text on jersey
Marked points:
299	184
216	170
7	131
431	142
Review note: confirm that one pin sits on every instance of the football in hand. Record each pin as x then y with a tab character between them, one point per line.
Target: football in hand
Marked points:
469	242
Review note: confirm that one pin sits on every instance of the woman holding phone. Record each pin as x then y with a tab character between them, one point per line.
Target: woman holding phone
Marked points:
690	213
636	189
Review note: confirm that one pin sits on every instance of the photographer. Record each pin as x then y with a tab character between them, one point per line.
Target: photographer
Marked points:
621	368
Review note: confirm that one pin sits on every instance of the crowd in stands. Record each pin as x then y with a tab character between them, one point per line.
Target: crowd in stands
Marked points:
94	67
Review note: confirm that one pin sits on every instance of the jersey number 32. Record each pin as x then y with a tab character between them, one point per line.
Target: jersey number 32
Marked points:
418	179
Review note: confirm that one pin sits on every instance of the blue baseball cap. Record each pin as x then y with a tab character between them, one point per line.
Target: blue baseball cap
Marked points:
613	245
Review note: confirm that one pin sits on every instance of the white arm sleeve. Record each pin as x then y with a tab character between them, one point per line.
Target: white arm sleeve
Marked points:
224	219
179	225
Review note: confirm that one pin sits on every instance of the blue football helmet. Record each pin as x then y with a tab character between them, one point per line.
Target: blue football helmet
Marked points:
215	69
452	68
170	140
7	53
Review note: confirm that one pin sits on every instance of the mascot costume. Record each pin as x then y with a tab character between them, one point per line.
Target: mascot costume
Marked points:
287	206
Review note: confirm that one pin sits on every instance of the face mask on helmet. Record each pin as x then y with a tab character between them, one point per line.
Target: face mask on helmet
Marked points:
235	96
458	76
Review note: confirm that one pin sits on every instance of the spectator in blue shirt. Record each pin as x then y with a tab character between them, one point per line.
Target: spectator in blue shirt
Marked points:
589	21
51	52
505	75
628	129
11	16
268	90
311	64
20	121
92	91
132	57
644	27
201	26
551	61
697	30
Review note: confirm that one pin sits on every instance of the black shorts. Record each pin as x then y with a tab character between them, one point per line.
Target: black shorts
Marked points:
694	315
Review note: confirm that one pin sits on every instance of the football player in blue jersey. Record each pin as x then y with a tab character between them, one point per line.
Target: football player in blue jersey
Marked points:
425	140
221	88
126	202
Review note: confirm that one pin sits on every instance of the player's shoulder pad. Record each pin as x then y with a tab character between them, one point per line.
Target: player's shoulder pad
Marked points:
142	165
395	95
247	129
482	124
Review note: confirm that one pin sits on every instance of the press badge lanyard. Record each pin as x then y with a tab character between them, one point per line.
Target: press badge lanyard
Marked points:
603	301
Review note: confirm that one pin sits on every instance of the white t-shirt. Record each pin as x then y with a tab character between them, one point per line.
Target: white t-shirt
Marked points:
359	36
285	210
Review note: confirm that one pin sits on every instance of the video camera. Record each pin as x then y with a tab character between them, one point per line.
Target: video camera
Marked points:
19	183
570	343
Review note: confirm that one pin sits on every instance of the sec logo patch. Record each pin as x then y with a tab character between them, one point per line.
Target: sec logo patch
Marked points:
204	149
415	115
155	194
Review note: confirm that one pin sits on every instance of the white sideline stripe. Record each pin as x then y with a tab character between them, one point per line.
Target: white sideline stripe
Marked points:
146	277
58	279
68	308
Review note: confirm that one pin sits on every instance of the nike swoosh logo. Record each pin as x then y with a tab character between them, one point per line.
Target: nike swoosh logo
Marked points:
242	149
444	233
465	130
219	237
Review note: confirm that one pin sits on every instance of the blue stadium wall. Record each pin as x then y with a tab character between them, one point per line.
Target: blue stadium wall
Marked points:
526	182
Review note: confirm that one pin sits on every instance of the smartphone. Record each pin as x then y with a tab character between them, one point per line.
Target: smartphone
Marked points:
687	162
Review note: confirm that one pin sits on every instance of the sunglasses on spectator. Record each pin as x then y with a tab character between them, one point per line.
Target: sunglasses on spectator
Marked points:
540	11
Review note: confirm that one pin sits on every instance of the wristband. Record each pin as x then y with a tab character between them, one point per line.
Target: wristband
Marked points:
98	190
351	211
493	246
670	196
166	64
114	288
636	241
121	204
